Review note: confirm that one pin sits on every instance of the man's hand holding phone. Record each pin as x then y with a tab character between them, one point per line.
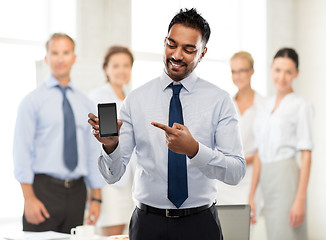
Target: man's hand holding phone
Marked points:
110	143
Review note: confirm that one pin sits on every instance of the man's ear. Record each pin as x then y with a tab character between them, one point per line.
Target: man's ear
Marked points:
203	53
46	59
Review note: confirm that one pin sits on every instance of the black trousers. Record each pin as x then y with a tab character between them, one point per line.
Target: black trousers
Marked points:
65	204
149	226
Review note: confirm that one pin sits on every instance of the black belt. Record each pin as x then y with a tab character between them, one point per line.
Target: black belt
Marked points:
67	183
172	213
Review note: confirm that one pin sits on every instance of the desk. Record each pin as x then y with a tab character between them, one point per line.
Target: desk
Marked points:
50	235
20	235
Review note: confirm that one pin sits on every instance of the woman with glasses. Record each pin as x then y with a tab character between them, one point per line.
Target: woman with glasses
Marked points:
283	128
246	100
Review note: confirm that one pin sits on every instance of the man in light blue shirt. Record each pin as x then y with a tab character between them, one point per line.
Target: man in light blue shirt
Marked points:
54	192
208	138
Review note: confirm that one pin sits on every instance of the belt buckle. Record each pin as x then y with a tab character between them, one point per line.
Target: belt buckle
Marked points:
167	214
67	183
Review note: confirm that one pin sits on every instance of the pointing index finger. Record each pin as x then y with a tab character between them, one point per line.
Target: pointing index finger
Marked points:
165	128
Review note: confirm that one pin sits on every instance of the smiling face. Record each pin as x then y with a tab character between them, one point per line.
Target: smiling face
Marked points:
60	57
184	49
119	68
241	72
284	71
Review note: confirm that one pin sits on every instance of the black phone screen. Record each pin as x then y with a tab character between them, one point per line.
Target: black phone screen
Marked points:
107	114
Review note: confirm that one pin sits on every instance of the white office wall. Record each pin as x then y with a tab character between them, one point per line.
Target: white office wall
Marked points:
310	41
100	24
281	27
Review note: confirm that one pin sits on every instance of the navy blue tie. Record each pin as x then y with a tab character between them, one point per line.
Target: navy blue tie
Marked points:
70	154
177	165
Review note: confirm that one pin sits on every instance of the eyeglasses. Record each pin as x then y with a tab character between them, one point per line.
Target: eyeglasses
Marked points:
241	71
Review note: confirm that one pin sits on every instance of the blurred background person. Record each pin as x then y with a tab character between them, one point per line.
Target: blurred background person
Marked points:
54	150
117	204
246	100
283	128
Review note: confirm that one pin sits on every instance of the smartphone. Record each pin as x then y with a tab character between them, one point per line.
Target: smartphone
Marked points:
107	114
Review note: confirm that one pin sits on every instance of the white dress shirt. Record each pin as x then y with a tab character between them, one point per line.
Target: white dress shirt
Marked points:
239	194
211	118
105	94
246	123
284	132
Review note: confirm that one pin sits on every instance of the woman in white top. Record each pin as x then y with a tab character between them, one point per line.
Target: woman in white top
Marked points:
117	203
283	128
246	100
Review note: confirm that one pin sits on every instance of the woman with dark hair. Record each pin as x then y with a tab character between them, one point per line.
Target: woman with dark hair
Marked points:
117	203
283	128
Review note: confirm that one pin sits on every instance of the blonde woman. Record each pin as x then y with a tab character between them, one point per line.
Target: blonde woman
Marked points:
246	100
117	203
283	128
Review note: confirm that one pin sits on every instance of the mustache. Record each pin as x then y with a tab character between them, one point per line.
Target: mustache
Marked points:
179	62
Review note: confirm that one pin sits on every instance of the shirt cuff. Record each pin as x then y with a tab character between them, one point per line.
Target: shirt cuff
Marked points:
25	179
24	174
304	145
204	156
109	158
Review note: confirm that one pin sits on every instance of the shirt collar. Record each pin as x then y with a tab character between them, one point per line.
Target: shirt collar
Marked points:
188	83
51	81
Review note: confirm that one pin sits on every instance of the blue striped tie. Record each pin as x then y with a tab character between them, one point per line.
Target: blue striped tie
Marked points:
70	154
177	165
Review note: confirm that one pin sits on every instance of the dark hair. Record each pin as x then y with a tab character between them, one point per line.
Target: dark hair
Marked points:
114	50
57	36
191	18
288	53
